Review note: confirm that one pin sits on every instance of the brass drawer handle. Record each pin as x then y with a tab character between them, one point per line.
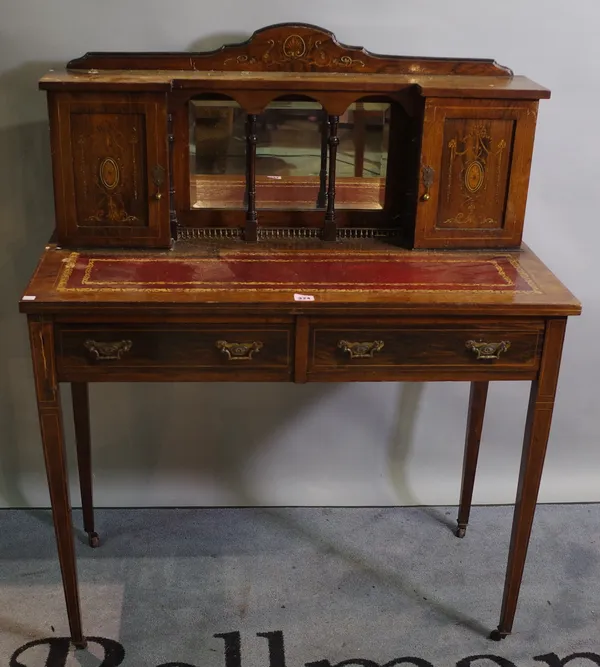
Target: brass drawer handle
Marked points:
485	350
102	351
239	351
361	350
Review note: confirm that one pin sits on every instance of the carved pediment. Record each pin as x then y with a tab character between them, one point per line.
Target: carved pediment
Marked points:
290	47
295	47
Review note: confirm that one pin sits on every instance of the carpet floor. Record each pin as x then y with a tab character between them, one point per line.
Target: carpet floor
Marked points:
291	587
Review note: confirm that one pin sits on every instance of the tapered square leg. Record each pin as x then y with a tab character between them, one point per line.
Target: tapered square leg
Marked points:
41	334
537	430
81	416
477	401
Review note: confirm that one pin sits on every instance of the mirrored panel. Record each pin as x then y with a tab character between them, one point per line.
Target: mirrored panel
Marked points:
217	154
291	156
362	156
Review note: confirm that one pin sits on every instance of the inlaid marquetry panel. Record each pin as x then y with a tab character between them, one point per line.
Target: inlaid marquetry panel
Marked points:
109	168
474	176
476	159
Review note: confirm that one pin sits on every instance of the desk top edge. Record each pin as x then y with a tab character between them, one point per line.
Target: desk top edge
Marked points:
491	283
433	85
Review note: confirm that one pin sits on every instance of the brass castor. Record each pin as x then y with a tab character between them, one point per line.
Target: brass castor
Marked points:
94	540
460	531
496	635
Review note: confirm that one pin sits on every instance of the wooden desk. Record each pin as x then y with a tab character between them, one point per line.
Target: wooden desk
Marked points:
204	313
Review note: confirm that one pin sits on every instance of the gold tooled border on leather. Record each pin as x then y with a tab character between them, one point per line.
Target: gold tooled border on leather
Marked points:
475	288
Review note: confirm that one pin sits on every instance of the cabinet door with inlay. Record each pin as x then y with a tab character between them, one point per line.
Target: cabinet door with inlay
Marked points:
110	156
474	172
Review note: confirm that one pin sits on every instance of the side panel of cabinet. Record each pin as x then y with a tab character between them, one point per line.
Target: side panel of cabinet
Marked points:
474	172
110	163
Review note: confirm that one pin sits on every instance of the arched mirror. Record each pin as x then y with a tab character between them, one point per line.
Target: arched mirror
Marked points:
291	155
362	155
217	149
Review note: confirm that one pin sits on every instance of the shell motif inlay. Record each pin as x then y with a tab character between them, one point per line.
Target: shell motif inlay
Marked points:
109	173
294	46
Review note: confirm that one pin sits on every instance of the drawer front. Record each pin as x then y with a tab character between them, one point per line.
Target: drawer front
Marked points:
421	348
231	350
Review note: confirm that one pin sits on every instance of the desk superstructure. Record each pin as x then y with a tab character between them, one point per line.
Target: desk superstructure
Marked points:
292	209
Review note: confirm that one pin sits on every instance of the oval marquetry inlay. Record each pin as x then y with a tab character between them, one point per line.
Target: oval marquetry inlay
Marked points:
474	176
109	173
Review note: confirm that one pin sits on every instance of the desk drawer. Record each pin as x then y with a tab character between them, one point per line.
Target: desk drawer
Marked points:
421	347
232	350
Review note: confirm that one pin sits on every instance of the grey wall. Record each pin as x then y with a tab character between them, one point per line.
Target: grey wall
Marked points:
319	444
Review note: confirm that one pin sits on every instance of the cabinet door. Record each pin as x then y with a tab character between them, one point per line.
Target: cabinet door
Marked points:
110	161
474	172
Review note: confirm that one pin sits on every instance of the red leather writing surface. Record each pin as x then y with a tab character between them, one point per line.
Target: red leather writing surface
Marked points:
297	271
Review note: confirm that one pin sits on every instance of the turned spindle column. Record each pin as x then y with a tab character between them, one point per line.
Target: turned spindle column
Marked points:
322	196
251	229
333	141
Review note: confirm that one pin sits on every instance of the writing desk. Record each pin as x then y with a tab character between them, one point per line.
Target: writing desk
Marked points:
205	312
